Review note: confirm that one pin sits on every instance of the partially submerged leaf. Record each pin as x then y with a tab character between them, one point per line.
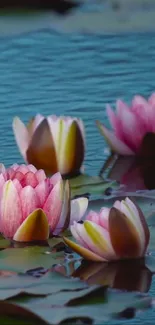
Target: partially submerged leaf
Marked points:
50	283
115	303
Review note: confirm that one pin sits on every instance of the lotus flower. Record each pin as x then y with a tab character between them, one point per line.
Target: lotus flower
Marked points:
112	234
31	205
53	143
130	125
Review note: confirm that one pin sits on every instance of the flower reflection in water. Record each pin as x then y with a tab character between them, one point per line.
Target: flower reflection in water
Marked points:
123	275
136	173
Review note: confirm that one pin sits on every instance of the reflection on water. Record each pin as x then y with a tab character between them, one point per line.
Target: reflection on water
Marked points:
135	172
124	275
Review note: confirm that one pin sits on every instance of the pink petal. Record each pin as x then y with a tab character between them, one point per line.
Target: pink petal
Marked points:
53	205
2	169
115	144
29	179
76	235
17	185
2	182
78	209
115	122
139	101
14	166
55	178
21	136
32	168
11	171
11	213
93	216
120	105
64	219
151	99
24	169
130	122
29	201
18	175
117	205
144	112
104	218
42	190
40	175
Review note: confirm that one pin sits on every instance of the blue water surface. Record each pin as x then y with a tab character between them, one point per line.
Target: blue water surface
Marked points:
76	74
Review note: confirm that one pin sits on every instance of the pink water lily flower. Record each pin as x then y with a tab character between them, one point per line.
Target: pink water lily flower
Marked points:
129	124
55	144
32	206
112	234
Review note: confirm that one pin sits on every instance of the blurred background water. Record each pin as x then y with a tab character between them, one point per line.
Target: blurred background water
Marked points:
72	74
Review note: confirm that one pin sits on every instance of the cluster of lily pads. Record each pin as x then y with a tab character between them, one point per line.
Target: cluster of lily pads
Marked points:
36	197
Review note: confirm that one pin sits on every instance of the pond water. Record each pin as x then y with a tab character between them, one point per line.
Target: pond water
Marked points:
73	74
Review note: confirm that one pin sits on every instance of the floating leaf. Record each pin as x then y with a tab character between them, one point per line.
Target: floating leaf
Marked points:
90	185
4	243
50	283
53	310
54	242
22	259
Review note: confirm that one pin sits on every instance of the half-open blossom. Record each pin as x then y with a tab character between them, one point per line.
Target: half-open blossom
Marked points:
53	143
112	234
32	205
129	124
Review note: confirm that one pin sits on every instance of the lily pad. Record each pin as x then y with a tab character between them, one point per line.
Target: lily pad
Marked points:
51	283
91	185
23	259
54	311
4	243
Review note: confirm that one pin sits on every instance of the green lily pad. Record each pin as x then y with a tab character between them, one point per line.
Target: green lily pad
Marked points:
92	185
23	259
4	243
74	306
50	283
